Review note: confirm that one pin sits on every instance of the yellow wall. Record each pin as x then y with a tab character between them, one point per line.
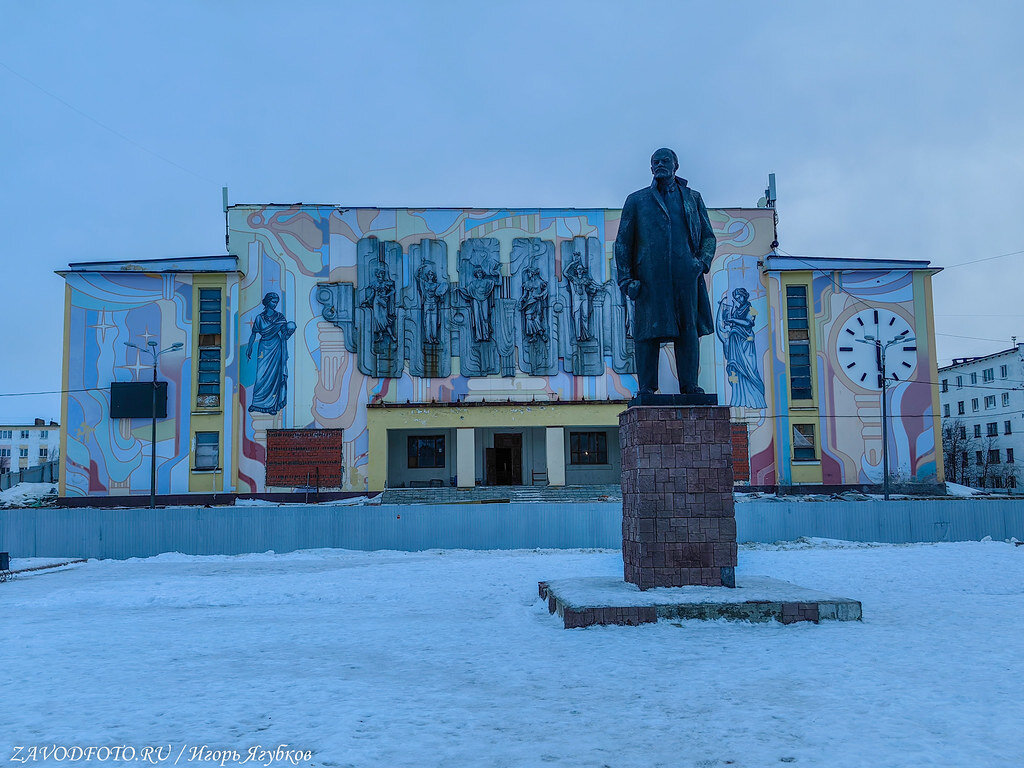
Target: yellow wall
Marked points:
802	411
380	420
207	419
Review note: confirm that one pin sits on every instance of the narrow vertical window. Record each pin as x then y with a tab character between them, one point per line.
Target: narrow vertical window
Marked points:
208	366
797	325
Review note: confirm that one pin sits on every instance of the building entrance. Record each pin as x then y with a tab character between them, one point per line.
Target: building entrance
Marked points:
505	460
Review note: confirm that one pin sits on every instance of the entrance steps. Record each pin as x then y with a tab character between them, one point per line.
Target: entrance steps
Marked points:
503	493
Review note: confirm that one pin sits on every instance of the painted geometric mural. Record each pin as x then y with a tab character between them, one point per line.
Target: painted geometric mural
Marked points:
422	305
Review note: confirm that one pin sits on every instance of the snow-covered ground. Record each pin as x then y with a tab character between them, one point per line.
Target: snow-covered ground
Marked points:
449	659
28	494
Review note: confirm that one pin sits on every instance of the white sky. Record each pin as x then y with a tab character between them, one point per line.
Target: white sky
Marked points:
894	132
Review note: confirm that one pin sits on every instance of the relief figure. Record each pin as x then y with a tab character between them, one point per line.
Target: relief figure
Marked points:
478	293
533	304
380	300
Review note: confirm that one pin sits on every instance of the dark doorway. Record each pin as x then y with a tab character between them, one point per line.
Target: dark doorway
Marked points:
506	464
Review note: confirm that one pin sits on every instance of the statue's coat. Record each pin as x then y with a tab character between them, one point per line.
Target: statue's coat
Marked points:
643	251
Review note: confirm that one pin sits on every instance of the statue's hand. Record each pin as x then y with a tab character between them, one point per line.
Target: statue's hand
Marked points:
248	354
633	289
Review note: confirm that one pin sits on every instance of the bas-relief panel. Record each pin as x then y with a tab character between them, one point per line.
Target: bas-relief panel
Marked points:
501	282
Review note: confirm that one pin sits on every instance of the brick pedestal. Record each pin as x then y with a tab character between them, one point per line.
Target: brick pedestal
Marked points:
678	522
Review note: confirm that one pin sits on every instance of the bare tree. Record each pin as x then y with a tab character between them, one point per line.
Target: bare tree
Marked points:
958	447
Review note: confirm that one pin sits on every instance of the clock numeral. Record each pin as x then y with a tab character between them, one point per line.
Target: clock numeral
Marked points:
910	349
851	332
897	378
851	365
907	364
860	321
876	317
846	349
891	322
863	376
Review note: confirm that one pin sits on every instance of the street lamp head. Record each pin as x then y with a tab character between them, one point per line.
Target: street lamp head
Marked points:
869	337
129	344
151	343
177	345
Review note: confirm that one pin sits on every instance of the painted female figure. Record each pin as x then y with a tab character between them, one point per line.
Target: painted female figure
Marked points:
735	329
270	392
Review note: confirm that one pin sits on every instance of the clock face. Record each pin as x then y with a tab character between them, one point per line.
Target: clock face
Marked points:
862	362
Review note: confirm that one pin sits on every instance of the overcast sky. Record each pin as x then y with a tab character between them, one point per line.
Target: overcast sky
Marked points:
895	130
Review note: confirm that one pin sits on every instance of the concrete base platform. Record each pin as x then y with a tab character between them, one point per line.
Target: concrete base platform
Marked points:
582	602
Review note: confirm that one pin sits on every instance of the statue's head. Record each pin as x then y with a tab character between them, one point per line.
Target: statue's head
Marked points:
479	272
271	300
380	272
664	163
431	276
741	295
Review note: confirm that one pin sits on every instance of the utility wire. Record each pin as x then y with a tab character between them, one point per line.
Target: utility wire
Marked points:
106	127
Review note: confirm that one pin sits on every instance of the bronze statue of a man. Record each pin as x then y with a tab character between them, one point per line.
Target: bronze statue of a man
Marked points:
663	250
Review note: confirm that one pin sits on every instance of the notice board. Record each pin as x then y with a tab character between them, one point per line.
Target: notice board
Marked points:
304	458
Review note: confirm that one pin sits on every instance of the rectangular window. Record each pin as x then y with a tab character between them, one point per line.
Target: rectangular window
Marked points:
977	430
960	408
1002	371
24	434
993	456
44	454
208	367
974	378
992	429
1011	482
1007	428
6	434
959	382
23	453
208	385
963	432
979	458
990	401
588	448
945	385
5	460
803	443
963	459
945	410
974	404
799	342
426	451
1009	455
1006	399
207	450
997	482
989	374
44	434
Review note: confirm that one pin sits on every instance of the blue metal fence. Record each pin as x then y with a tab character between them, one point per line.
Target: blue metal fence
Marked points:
123	533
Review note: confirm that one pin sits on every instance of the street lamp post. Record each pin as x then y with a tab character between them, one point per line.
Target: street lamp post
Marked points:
151	348
880	350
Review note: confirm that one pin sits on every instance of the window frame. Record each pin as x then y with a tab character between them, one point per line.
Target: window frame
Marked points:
210	446
590	454
439	449
807	433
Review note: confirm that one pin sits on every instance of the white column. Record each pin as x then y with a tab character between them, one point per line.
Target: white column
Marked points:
465	458
554	443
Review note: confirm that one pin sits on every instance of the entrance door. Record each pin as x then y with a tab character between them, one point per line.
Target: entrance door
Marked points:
508	459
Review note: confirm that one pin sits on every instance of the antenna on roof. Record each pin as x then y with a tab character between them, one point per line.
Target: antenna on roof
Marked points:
768	200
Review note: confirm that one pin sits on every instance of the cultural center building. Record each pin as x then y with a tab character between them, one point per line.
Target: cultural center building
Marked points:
372	348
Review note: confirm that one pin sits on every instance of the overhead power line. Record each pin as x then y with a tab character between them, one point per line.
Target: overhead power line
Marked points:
106	127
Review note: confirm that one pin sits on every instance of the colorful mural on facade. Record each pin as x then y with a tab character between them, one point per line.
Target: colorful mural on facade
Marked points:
356	289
